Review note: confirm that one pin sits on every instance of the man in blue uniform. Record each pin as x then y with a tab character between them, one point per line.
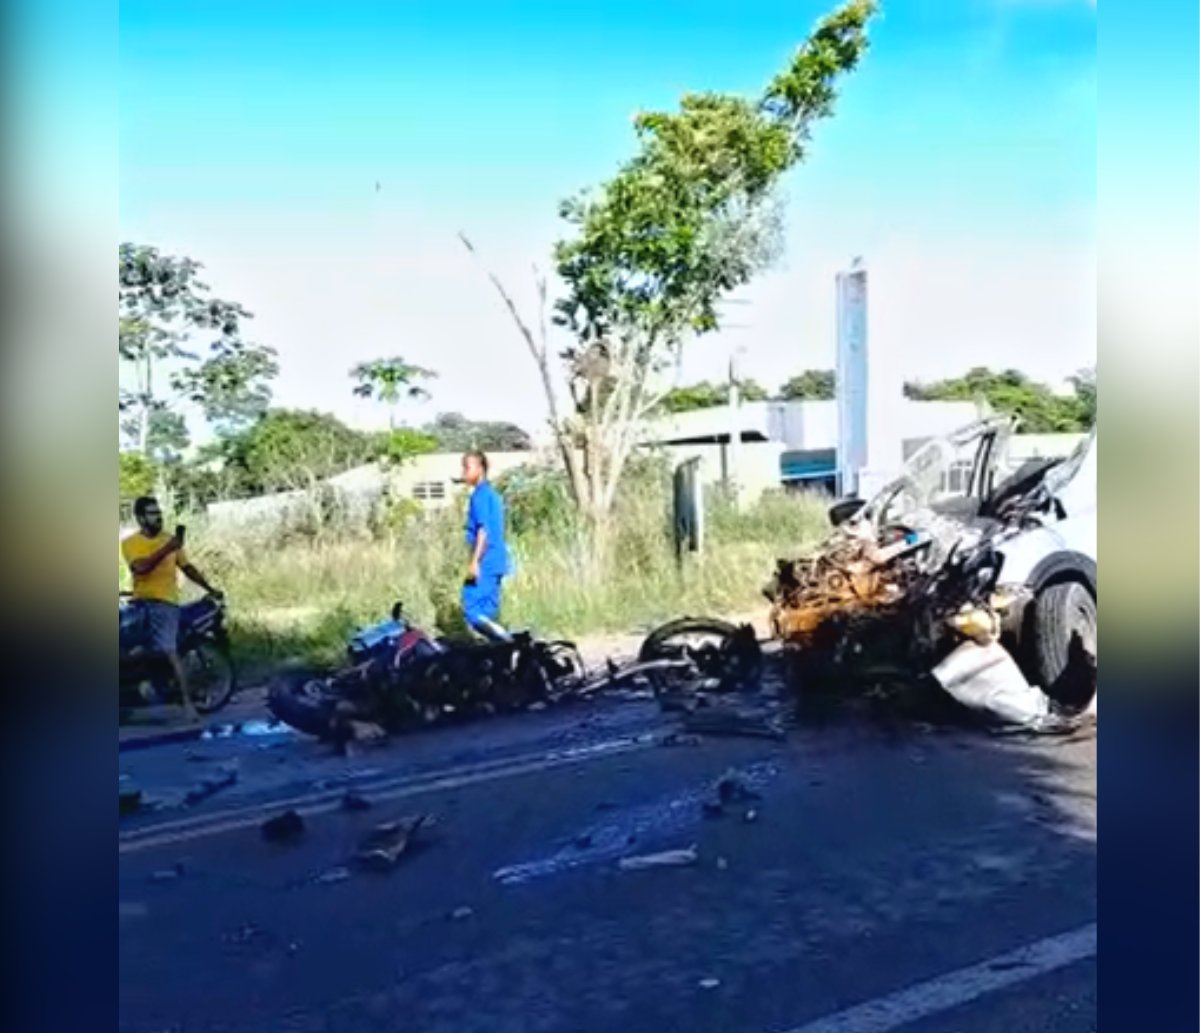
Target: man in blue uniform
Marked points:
489	554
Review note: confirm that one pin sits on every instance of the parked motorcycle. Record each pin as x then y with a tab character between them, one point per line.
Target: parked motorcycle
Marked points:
398	676
203	648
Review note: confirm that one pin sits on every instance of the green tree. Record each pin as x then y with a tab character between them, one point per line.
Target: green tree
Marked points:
390	381
453	432
136	475
288	449
167	436
706	395
177	343
1040	409
692	216
398	446
817	385
1084	383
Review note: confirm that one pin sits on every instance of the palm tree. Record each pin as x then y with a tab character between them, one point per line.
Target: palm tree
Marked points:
389	381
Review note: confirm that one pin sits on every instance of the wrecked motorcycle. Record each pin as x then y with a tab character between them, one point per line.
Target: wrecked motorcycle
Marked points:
203	648
398	677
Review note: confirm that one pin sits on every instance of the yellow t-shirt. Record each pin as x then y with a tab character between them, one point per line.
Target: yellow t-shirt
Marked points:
161	584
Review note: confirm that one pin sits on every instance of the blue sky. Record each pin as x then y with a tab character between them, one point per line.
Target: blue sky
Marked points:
960	163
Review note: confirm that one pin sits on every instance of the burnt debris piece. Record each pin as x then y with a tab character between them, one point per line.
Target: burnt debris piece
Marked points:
287	827
385	844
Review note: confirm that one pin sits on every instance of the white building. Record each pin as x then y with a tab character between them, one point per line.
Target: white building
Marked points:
793	444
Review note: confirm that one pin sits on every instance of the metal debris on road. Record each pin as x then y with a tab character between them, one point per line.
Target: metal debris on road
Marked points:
334	875
459	913
210	786
732	787
384	845
721	721
663	859
750	816
168	874
709	983
287	827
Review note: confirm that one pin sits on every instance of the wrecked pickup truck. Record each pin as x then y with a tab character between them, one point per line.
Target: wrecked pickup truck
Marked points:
991	590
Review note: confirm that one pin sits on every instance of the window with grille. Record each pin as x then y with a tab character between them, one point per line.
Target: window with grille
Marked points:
429	491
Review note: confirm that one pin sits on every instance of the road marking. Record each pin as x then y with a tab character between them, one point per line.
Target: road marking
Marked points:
961	987
391	789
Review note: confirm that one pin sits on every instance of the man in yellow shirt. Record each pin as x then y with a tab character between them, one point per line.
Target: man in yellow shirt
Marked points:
155	559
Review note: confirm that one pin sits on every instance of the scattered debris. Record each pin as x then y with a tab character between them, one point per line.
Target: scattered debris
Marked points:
211	785
732	787
287	827
987	678
384	845
244	934
352	801
663	859
722	721
459	913
722	864
709	983
130	801
168	874
679	739
334	875
750	816
366	732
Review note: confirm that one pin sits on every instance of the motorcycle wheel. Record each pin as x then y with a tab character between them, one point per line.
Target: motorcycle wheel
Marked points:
211	677
300	698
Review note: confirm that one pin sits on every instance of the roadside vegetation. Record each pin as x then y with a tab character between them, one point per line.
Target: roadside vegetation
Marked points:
296	591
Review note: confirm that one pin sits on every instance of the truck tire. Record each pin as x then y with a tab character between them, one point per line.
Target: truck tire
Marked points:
1060	612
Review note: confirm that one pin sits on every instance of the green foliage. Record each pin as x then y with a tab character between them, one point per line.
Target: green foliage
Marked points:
455	433
1041	410
705	395
166	313
299	596
537	500
398	446
689	218
811	385
289	448
137	475
1084	383
167	435
389	381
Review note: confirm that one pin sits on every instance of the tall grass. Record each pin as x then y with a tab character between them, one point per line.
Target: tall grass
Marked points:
297	593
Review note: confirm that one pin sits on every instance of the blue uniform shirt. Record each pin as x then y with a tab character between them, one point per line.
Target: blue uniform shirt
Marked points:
486	510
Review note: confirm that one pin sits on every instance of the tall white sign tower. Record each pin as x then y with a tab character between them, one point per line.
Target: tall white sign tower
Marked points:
869	393
852	376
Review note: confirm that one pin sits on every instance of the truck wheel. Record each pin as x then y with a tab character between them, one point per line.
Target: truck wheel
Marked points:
1061	613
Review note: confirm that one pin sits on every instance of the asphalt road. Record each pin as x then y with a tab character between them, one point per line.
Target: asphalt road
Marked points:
884	881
